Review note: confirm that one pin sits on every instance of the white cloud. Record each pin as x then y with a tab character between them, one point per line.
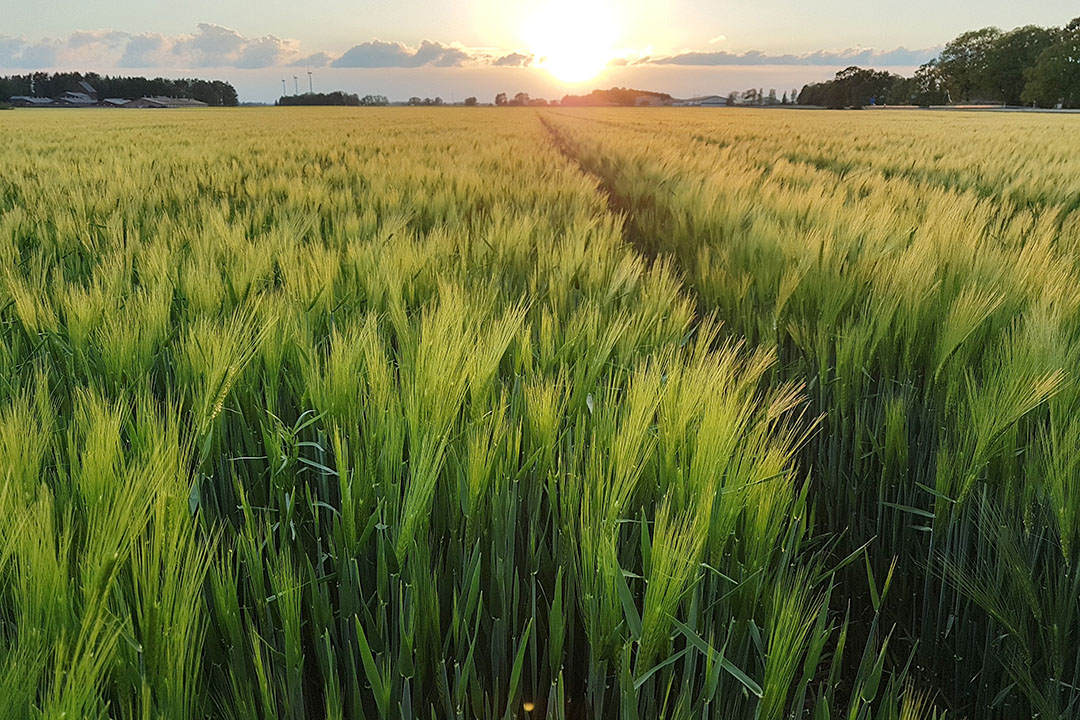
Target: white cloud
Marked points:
209	46
381	54
221	47
867	57
515	59
147	50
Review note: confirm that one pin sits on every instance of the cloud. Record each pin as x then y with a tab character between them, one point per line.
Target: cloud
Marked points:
514	59
381	54
39	54
266	52
218	46
430	53
149	50
319	59
856	56
209	46
90	47
221	47
374	54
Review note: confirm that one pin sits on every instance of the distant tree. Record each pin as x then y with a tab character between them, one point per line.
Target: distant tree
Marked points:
929	86
426	102
761	96
12	86
211	92
964	63
521	98
901	92
784	100
1010	56
214	92
794	96
614	96
331	98
1055	76
374	100
500	99
853	87
772	96
470	102
733	98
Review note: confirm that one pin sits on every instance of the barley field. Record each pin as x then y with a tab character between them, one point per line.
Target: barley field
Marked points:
517	413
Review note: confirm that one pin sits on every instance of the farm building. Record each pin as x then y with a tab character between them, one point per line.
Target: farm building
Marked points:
164	102
76	98
649	101
702	101
29	101
711	101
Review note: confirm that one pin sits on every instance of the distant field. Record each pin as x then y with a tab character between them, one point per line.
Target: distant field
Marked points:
467	413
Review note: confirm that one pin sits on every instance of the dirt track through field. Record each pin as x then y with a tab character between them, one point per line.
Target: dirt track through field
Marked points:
618	205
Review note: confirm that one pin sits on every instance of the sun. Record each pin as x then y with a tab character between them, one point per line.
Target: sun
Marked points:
574	41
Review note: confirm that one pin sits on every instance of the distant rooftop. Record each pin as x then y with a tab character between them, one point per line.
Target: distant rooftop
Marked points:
77	98
163	101
31	100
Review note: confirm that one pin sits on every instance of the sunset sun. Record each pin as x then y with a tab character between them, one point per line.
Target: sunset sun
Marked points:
573	41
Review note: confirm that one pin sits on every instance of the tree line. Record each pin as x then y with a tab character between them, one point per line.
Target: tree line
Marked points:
337	97
520	99
52	85
613	96
1028	65
759	97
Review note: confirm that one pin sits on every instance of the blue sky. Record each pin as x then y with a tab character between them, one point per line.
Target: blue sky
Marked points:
403	47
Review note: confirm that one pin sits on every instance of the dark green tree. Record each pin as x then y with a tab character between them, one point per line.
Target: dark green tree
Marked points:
211	92
332	98
928	86
1009	58
964	63
1055	76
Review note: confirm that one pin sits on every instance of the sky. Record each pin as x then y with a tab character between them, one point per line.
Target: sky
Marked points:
548	48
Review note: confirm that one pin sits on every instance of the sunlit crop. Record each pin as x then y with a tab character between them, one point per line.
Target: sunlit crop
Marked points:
568	414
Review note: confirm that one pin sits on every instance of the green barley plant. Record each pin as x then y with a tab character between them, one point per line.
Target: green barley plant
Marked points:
538	414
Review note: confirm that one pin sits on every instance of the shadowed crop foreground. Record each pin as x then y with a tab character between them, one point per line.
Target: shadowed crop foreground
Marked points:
569	414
